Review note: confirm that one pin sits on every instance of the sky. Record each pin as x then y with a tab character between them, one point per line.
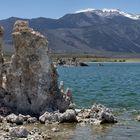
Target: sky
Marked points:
58	8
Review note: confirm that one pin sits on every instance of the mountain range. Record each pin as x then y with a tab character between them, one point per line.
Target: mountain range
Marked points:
85	31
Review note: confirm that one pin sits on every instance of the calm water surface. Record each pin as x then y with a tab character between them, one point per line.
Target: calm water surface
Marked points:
116	85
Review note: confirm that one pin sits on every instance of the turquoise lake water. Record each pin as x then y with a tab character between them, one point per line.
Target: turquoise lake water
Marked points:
115	85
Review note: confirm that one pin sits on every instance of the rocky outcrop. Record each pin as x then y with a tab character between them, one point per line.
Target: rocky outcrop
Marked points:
102	114
32	78
68	116
98	114
23	133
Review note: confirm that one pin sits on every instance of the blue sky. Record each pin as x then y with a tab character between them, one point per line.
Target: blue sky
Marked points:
58	8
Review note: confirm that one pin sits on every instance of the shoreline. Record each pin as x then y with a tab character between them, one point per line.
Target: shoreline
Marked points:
112	62
67	131
16	126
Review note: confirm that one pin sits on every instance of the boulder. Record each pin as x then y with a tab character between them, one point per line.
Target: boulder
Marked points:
32	78
11	118
68	116
25	117
49	117
32	120
19	120
20	132
42	118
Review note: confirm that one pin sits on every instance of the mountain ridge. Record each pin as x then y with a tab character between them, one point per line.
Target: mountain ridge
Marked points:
86	32
108	12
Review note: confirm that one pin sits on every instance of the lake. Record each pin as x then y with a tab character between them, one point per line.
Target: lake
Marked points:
115	85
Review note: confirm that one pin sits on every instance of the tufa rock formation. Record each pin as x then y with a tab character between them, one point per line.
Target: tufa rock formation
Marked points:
1	56
2	90
32	79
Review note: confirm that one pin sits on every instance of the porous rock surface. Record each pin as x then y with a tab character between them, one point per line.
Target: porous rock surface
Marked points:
1	56
98	114
2	90
68	116
32	78
20	132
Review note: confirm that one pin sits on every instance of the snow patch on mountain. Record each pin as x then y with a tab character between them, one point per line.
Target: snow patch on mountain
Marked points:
85	10
109	12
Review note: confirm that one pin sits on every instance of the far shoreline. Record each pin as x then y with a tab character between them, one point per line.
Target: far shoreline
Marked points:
113	62
89	58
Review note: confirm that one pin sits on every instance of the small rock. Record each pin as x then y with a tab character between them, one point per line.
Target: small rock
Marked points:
55	130
1	119
32	120
79	119
85	113
35	131
19	120
42	118
5	137
35	137
138	118
21	132
46	137
97	122
12	125
25	117
6	128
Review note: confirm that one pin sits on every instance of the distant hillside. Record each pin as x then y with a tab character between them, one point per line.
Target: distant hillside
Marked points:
95	31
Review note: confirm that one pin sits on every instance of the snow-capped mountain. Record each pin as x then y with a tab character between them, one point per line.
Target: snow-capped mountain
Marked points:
87	31
109	13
